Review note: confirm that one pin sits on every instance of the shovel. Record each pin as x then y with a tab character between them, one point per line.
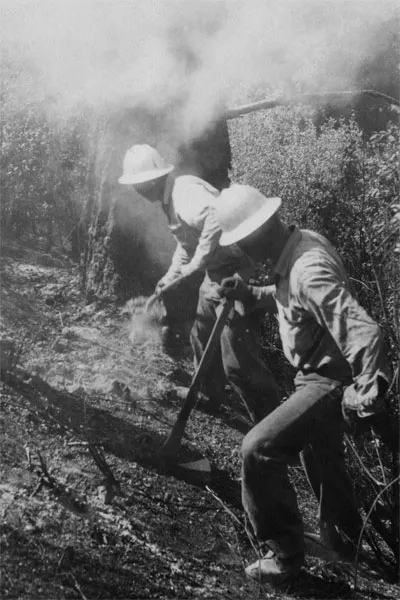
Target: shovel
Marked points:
171	447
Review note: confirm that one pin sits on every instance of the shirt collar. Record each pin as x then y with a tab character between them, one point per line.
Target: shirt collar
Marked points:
283	264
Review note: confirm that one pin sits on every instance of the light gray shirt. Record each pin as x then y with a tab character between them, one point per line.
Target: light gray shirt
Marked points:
188	203
322	326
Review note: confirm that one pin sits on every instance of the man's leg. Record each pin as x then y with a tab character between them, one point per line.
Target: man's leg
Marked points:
180	304
246	370
267	494
324	464
199	336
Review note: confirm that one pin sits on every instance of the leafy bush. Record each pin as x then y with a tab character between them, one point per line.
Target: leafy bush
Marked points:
45	165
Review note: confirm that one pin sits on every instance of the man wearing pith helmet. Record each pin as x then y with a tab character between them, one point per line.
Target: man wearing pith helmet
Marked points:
188	203
341	373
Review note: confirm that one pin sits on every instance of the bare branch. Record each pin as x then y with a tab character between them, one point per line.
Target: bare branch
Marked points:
385	489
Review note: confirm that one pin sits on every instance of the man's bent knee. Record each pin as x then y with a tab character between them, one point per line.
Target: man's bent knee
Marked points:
256	442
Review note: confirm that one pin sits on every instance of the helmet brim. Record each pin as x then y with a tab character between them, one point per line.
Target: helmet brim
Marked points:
145	176
251	224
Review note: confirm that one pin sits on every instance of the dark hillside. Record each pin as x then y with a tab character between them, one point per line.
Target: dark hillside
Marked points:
89	510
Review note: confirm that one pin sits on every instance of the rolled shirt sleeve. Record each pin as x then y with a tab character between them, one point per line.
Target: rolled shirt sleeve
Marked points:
264	297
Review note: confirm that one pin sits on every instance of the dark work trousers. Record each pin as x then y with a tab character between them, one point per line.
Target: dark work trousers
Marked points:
237	359
309	421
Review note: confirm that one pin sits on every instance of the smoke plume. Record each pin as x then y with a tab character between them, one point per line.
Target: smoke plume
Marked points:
198	55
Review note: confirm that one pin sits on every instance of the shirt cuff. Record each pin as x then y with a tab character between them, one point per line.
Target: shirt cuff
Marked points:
366	395
263	298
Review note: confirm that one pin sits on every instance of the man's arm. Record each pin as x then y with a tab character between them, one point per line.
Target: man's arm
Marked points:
359	338
179	260
264	297
207	244
252	297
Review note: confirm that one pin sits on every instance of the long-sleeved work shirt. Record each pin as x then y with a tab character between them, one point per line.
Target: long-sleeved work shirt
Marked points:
322	326
188	204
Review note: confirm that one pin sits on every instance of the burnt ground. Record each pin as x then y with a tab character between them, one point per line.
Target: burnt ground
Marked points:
89	507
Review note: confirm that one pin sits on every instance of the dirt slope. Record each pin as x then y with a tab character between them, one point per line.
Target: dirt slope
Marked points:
89	508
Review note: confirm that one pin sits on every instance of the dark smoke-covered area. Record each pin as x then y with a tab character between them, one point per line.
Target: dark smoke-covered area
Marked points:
83	81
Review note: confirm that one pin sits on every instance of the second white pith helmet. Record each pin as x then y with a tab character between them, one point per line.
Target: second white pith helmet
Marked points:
143	163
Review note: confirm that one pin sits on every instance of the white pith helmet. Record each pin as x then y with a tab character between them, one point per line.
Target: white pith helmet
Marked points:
241	210
143	163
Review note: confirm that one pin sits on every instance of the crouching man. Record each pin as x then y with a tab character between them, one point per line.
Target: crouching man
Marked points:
337	349
188	203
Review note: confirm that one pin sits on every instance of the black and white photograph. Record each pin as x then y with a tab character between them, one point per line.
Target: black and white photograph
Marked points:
199	299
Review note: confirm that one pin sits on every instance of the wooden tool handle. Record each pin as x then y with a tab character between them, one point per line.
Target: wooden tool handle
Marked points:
172	445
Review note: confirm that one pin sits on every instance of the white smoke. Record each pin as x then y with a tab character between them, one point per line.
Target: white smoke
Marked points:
198	54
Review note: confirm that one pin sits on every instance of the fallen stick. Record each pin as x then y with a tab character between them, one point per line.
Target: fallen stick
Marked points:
78	587
324	98
226	509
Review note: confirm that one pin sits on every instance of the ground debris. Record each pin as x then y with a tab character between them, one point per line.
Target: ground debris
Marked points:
112	523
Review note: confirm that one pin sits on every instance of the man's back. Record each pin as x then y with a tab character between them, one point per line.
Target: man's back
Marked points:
189	205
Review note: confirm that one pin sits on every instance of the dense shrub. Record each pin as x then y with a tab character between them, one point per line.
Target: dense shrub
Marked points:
45	164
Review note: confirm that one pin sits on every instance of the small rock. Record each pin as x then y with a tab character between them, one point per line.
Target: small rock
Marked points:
66	559
76	388
52	293
60	345
105	494
76	333
121	390
70	333
7	354
117	388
